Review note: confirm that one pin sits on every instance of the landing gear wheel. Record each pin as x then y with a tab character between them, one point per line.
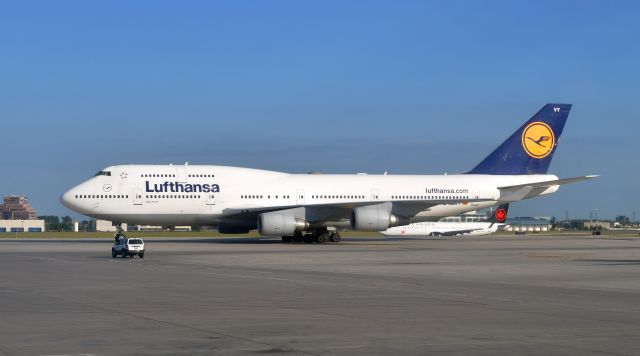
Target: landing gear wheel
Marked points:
287	239
308	238
335	237
298	238
321	238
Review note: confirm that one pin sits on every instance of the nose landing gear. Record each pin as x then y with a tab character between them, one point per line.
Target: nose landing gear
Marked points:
119	233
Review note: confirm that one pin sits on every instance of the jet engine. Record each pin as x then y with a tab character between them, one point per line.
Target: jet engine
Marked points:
279	224
375	218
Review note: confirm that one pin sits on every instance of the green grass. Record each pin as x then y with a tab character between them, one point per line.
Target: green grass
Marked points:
143	234
203	234
89	235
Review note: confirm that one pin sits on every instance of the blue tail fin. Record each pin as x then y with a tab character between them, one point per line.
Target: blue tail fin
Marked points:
530	149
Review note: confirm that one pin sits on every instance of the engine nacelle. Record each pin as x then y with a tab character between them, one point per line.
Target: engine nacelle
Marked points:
279	224
375	218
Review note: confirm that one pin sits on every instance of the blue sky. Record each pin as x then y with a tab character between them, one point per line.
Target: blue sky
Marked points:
334	86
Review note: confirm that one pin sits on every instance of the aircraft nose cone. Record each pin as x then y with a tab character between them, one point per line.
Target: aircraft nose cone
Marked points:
66	199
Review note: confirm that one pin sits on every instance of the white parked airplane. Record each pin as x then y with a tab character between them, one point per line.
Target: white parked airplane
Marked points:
238	200
452	228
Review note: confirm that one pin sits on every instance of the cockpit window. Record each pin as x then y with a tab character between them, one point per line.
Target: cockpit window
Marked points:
103	173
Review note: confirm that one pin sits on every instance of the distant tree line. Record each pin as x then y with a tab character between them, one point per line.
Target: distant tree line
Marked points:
54	223
85	225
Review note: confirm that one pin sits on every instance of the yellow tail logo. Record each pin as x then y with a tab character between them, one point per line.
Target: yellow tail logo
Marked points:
538	140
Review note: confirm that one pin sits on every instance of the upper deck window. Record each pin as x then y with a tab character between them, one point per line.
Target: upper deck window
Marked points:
103	173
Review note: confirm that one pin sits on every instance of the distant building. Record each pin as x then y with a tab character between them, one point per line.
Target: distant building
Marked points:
17	207
584	224
597	225
21	225
104	226
107	226
158	228
529	224
623	220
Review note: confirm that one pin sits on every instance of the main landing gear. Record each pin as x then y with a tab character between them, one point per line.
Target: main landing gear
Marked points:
318	236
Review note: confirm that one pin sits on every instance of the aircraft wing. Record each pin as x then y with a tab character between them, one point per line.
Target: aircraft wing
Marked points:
328	212
518	192
411	209
316	214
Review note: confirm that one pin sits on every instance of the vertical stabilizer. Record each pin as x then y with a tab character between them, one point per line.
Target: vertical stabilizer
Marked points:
500	215
530	149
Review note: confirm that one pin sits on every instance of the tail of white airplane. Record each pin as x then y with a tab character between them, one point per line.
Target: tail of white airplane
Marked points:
499	215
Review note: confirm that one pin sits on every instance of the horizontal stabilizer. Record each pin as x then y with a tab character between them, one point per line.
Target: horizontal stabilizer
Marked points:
523	191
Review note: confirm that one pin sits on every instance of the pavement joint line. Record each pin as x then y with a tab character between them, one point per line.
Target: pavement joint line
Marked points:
47	259
5	352
206	331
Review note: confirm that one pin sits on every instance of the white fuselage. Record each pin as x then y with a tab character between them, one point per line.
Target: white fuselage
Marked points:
207	195
443	228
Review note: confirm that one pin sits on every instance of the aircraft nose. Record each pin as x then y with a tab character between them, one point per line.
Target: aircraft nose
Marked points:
67	199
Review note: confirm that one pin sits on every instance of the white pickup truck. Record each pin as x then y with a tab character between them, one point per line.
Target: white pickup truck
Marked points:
128	247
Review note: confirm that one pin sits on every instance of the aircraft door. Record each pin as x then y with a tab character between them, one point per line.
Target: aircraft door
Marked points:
300	197
213	204
181	174
375	194
137	197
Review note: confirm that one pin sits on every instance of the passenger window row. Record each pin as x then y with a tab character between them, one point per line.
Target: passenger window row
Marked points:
429	197
173	175
337	197
262	196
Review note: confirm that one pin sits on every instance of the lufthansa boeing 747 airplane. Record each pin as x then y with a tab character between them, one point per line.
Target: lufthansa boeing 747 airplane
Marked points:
312	207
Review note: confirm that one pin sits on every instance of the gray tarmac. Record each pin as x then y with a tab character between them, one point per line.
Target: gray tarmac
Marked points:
365	296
